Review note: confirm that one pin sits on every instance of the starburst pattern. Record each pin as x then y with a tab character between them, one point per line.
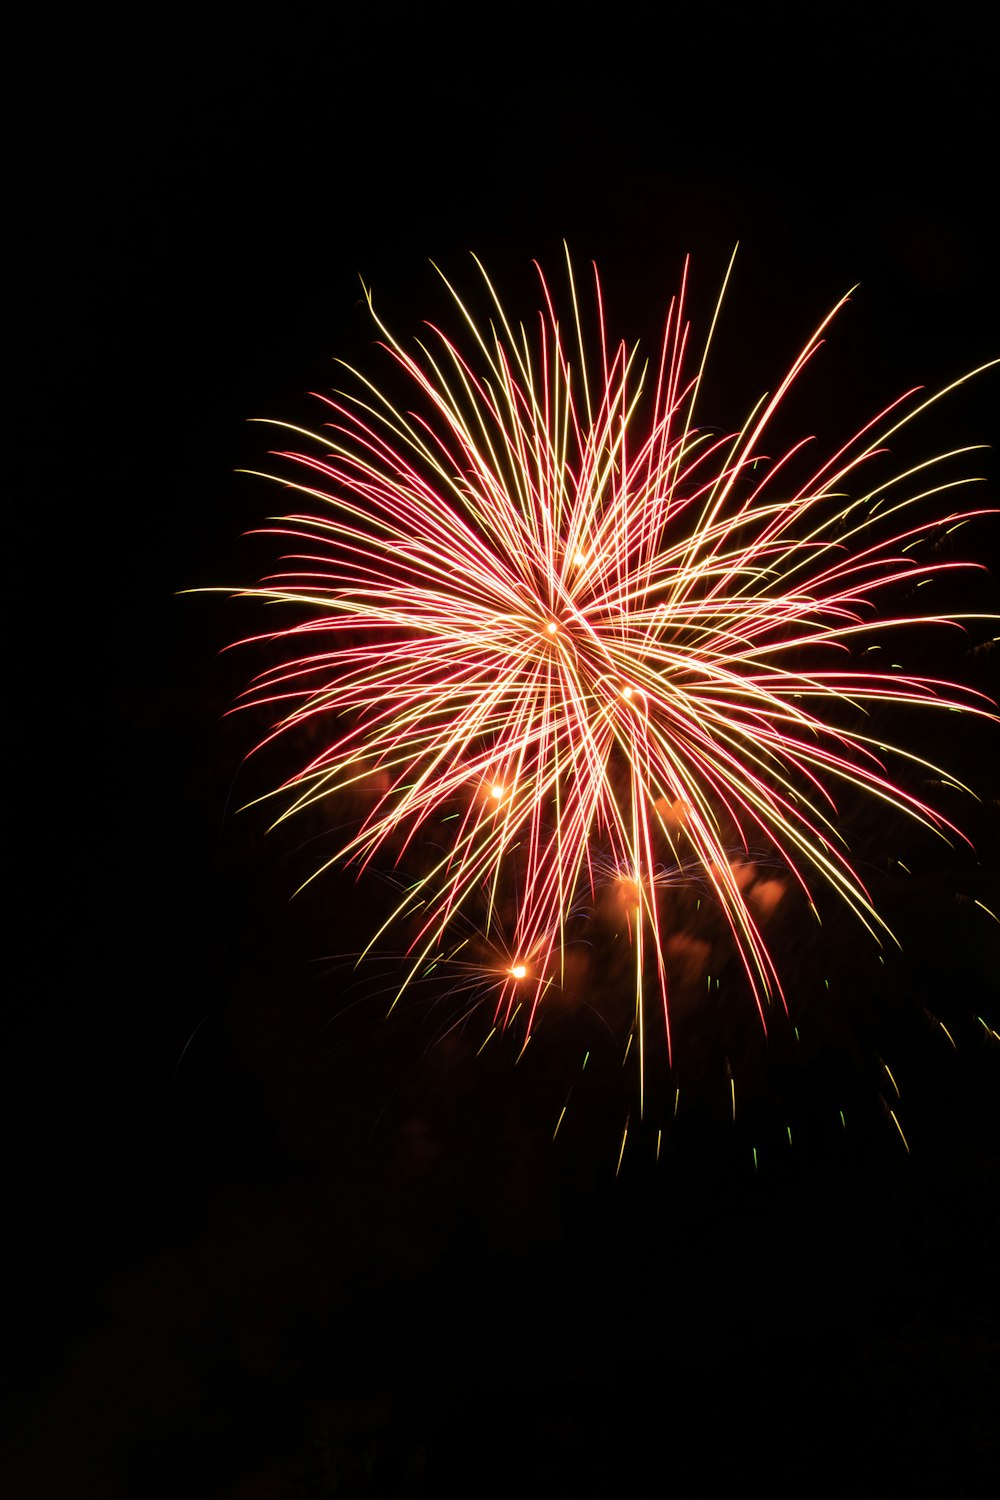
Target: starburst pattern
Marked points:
556	630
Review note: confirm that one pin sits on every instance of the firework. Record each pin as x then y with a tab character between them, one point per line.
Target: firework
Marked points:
560	640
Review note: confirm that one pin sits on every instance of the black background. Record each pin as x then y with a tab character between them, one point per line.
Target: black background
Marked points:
254	1252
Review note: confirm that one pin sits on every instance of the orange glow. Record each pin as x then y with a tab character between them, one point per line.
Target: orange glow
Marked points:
674	814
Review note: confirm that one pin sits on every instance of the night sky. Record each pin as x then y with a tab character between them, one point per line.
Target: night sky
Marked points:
262	1242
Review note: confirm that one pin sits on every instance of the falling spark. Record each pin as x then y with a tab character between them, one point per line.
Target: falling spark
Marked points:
899	1127
621	1153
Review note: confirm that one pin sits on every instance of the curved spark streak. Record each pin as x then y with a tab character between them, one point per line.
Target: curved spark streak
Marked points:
523	616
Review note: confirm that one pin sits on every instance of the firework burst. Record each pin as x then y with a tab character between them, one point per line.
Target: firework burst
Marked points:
563	640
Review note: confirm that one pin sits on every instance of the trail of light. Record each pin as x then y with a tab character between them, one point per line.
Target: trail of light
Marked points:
533	624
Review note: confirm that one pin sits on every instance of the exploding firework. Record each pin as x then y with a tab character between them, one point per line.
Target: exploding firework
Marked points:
570	651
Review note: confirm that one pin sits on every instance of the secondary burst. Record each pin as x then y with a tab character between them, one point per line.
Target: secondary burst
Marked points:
553	630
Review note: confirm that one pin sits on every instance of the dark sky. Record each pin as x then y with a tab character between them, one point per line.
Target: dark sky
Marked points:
254	1250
